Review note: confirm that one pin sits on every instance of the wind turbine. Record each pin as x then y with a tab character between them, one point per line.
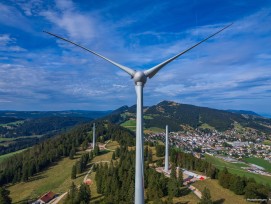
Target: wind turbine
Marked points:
166	152
93	140
140	78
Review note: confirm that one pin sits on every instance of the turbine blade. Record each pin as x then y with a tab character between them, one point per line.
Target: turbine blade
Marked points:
152	71
124	68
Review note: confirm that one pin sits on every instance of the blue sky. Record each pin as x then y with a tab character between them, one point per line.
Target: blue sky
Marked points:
40	72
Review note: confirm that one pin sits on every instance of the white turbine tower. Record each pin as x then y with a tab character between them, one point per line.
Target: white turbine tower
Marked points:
140	78
166	152
93	140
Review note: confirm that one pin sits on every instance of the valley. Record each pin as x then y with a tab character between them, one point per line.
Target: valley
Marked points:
240	148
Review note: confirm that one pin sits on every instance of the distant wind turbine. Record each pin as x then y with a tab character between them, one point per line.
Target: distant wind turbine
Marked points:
166	151
140	78
93	140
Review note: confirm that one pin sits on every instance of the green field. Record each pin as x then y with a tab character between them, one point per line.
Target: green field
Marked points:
13	123
206	126
147	117
267	142
3	157
260	162
130	124
155	130
112	145
5	139
235	168
220	194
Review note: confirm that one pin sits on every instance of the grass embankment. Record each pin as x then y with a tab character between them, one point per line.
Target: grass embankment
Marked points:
12	123
4	156
130	124
189	198
206	126
154	130
112	145
220	194
260	162
235	168
7	139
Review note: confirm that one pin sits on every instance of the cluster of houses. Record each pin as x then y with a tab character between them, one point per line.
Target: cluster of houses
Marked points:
232	143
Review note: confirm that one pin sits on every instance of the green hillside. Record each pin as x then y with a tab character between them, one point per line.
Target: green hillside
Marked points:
235	168
177	115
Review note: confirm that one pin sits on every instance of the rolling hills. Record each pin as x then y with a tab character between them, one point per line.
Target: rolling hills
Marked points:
22	129
178	116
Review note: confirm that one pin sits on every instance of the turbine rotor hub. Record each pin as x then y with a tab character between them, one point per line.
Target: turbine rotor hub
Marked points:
140	77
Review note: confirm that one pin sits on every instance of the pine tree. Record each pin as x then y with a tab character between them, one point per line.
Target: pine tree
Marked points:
180	177
251	191
78	167
84	194
206	197
91	155
237	185
4	196
173	171
73	175
173	188
85	144
72	194
150	156
72	153
113	156
96	150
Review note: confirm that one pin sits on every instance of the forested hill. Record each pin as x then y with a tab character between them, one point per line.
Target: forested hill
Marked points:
22	166
16	134
243	112
46	114
22	129
178	116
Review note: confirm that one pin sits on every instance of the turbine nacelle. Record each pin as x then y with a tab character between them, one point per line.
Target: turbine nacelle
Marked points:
140	76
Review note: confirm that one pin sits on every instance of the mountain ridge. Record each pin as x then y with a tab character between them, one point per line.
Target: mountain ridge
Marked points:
177	115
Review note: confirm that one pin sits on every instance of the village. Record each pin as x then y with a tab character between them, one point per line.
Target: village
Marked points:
230	146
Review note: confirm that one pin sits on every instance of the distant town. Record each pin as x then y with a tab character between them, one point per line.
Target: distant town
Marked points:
231	146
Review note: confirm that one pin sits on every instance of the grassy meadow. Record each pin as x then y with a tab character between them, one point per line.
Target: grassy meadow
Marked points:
4	156
220	194
235	168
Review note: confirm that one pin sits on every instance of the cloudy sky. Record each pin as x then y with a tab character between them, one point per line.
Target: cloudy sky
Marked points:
40	72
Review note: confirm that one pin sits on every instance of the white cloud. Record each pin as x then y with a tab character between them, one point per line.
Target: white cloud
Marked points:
8	43
78	25
12	17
